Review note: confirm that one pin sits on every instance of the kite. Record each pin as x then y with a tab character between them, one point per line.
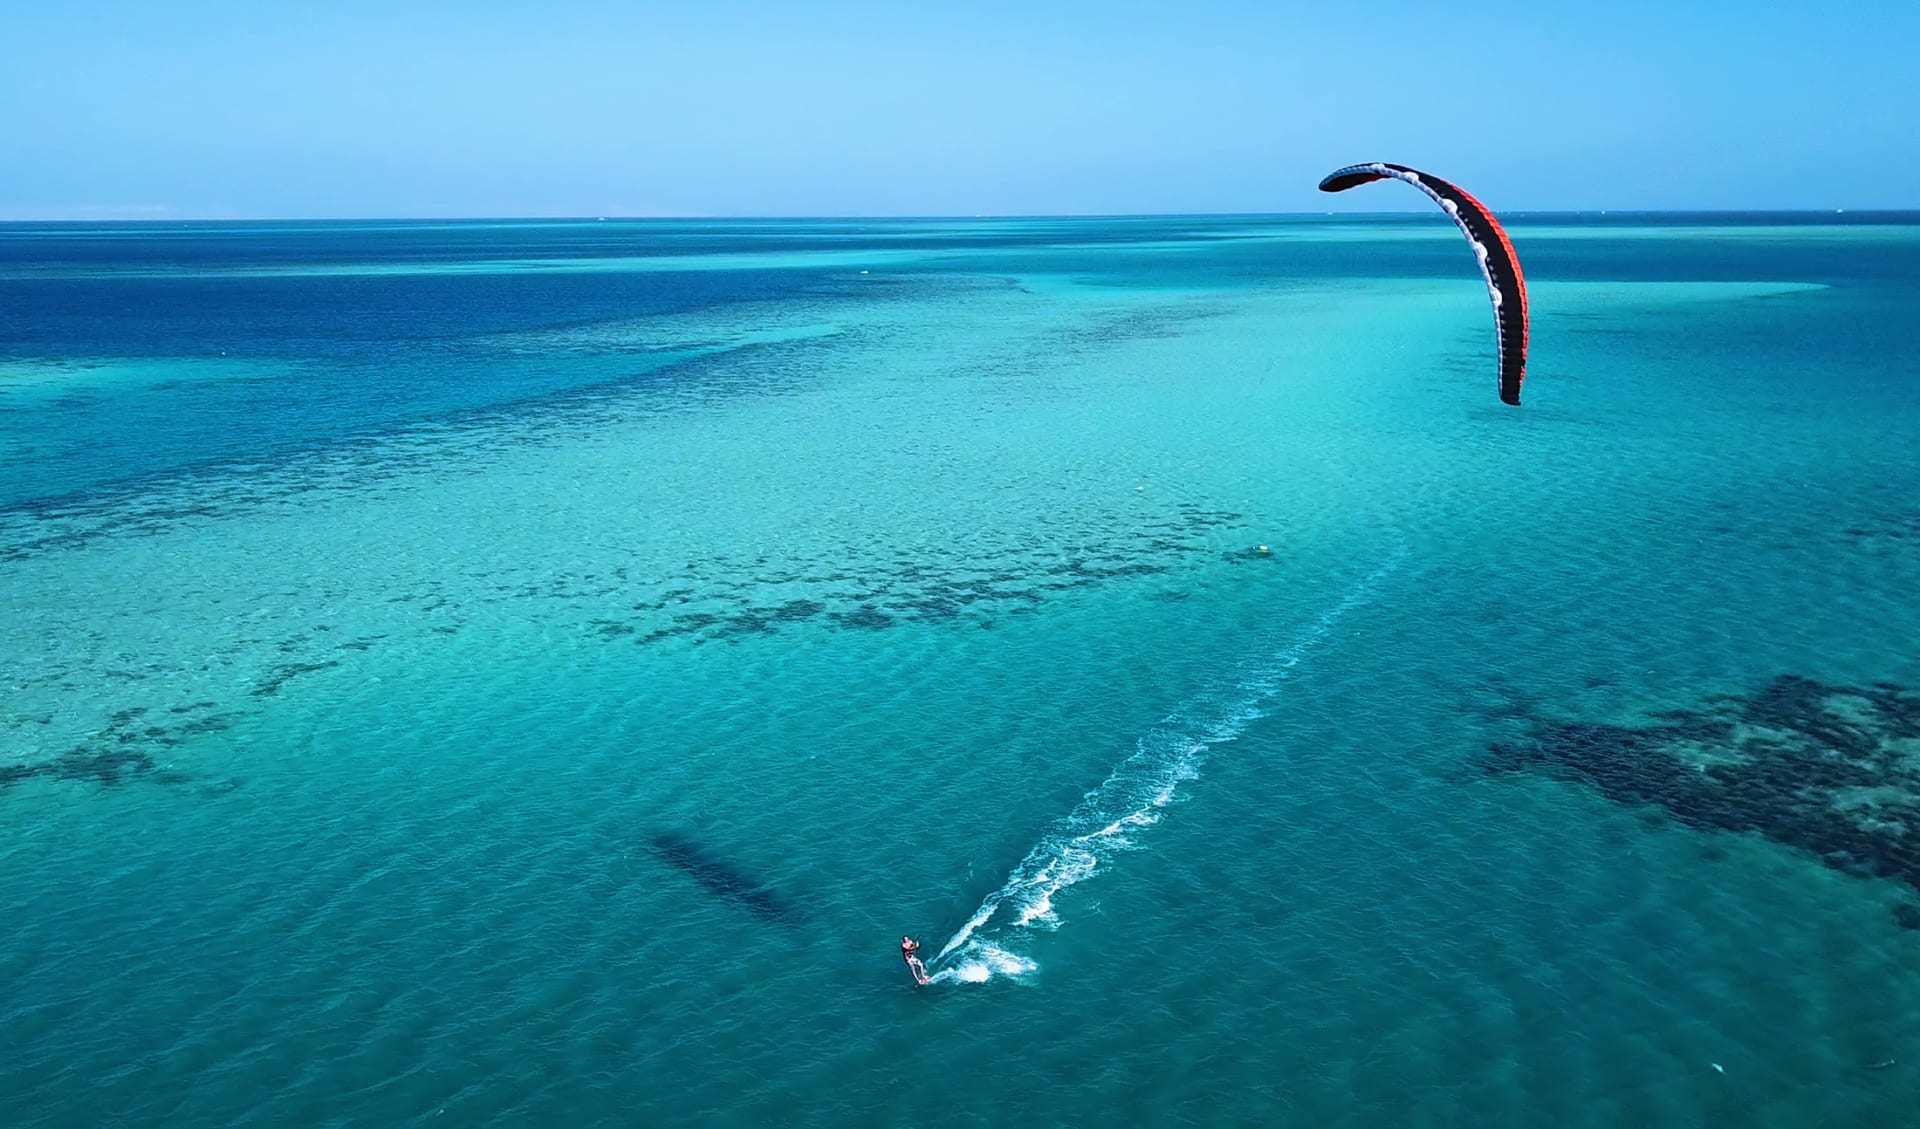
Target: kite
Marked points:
1490	244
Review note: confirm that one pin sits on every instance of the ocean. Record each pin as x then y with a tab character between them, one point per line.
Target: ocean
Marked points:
534	673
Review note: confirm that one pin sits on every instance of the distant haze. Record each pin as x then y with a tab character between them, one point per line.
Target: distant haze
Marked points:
216	109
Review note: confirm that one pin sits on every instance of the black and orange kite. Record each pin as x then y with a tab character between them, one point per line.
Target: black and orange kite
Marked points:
1497	261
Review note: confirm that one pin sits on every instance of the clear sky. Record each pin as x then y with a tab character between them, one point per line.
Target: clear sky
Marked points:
838	107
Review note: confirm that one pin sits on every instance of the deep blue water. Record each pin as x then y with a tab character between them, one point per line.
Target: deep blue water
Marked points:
365	351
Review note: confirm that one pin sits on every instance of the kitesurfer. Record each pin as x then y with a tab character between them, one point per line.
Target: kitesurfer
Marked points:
909	948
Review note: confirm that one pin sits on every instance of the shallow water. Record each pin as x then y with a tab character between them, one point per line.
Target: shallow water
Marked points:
379	599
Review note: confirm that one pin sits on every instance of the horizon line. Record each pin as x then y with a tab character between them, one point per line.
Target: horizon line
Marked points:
749	217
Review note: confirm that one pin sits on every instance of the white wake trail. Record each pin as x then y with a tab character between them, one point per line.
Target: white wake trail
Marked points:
1127	801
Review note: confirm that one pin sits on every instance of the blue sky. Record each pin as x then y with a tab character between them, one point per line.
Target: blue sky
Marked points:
211	108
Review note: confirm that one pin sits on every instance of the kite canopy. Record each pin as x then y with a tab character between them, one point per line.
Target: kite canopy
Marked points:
1490	244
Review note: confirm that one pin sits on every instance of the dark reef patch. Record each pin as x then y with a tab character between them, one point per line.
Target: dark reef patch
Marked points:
96	765
866	615
125	750
1896	527
285	673
795	610
731	594
1830	770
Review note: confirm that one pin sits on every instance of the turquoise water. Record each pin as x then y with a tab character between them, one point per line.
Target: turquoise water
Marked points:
534	673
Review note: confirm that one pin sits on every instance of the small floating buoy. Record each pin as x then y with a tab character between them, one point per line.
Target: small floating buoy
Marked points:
1263	548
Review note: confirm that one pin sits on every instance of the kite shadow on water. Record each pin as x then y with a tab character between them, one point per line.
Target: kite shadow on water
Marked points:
720	877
